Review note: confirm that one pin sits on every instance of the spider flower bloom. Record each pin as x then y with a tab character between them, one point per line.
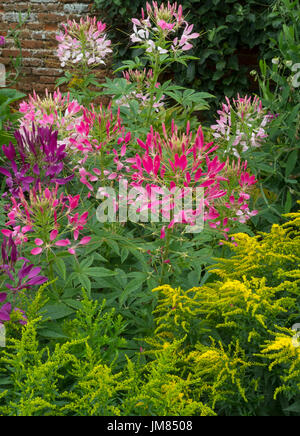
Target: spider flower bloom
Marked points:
21	278
99	131
5	310
83	44
27	277
52	111
242	124
41	159
50	218
179	162
9	254
167	21
141	79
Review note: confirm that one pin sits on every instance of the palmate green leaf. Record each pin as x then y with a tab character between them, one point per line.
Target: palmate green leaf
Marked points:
124	254
117	87
56	311
265	168
60	268
291	163
133	286
86	263
288	203
62	81
100	272
8	95
74	304
121	277
54	331
294	408
85	282
130	65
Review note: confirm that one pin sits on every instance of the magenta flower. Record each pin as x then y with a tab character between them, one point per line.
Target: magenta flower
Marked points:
20	278
53	111
5	310
28	276
41	245
18	234
181	162
109	128
10	258
166	26
41	157
2	41
9	254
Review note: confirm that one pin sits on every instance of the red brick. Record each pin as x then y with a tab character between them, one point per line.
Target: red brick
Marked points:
41	67
33	44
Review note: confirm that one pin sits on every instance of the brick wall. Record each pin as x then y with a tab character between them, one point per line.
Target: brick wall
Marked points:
41	66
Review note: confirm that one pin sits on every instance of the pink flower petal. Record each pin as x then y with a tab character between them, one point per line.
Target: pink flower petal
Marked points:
38	241
63	243
36	251
85	240
6	232
53	235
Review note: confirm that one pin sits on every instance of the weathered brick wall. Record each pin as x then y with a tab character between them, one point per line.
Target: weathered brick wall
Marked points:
41	66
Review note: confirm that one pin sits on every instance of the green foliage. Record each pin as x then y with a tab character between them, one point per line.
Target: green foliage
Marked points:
278	168
80	377
8	118
257	299
225	348
230	30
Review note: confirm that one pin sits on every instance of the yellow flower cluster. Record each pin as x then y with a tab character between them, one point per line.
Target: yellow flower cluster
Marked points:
255	300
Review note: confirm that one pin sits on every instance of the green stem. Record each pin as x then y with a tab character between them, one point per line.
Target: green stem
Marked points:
52	277
165	256
156	72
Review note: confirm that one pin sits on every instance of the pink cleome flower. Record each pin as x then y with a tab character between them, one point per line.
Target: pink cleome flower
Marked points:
83	44
46	217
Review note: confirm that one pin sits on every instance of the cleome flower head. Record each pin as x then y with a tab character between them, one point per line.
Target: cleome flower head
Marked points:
141	79
181	162
19	274
53	110
2	41
83	44
50	220
37	158
164	29
242	124
99	130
